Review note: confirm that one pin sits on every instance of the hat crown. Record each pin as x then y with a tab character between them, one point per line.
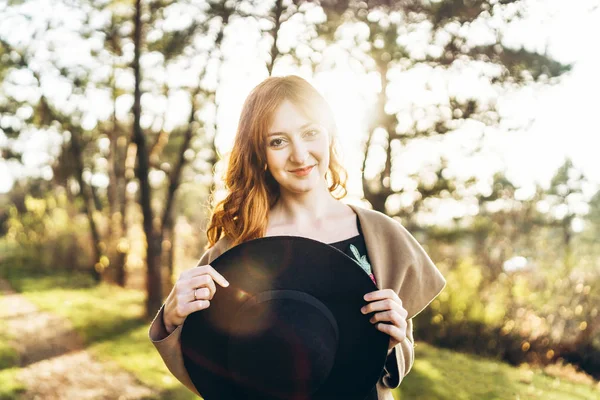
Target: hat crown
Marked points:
283	342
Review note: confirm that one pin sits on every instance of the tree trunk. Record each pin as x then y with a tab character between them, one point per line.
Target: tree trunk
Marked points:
153	239
381	190
88	205
168	255
116	196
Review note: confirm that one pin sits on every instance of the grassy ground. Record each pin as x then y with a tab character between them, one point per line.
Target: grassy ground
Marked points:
9	358
440	374
110	320
9	385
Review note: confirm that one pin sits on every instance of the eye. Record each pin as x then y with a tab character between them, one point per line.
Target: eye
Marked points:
312	132
277	142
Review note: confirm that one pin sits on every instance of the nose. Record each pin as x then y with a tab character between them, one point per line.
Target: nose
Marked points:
299	153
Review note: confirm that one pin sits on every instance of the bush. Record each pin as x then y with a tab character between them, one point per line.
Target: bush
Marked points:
525	317
45	236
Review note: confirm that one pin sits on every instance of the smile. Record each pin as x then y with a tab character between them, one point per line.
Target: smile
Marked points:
302	172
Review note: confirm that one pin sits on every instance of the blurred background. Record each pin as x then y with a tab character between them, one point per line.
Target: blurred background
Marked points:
472	122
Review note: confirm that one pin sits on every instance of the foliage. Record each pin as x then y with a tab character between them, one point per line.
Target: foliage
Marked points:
382	45
44	234
536	316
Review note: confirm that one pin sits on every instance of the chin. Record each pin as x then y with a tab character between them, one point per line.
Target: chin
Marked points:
294	187
290	184
299	189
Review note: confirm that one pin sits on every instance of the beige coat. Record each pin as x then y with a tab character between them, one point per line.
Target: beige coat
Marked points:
398	262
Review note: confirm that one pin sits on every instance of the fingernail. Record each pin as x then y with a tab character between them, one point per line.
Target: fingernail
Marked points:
366	297
362	310
226	283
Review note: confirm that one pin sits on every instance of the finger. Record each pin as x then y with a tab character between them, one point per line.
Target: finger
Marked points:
187	295
388	316
209	270
194	306
381	305
382	294
202	293
203	281
392	330
184	309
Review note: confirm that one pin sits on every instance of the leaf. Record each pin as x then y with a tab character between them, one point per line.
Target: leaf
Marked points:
355	251
361	260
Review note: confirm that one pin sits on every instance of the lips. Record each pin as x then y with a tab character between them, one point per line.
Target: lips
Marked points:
302	171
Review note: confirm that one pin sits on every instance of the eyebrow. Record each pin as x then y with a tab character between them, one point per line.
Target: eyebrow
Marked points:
302	127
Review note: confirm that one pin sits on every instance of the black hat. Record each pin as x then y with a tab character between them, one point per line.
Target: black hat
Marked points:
288	326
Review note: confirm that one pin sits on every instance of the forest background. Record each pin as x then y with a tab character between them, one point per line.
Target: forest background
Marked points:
470	122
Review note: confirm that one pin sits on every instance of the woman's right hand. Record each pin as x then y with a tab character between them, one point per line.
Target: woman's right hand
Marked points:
192	292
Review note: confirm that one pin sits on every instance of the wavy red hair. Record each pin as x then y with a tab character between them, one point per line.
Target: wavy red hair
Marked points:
243	214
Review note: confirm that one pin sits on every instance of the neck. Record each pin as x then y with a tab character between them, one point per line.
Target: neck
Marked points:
300	209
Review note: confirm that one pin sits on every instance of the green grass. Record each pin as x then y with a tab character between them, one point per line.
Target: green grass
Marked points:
8	355
110	319
440	374
9	359
10	387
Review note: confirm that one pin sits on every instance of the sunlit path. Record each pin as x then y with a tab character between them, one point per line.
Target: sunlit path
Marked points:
55	364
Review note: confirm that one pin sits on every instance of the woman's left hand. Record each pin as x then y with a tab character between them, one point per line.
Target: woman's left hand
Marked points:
389	309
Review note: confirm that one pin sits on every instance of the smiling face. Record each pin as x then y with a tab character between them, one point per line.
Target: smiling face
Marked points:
297	151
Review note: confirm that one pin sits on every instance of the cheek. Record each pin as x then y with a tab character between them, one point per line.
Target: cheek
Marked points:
324	153
269	158
322	148
274	159
324	164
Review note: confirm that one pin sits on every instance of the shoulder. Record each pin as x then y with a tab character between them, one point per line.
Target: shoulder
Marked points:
388	231
375	216
401	261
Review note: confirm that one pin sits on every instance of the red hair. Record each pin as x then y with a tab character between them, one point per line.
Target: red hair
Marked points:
252	191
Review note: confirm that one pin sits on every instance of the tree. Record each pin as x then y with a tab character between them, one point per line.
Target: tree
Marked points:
566	202
504	226
384	45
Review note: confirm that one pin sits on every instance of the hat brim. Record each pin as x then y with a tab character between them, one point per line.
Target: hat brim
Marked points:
287	263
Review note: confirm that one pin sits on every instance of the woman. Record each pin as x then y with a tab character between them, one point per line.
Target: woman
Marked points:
284	178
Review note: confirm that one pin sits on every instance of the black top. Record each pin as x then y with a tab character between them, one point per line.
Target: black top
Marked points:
356	249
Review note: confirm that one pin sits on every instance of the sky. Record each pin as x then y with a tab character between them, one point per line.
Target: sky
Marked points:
564	115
